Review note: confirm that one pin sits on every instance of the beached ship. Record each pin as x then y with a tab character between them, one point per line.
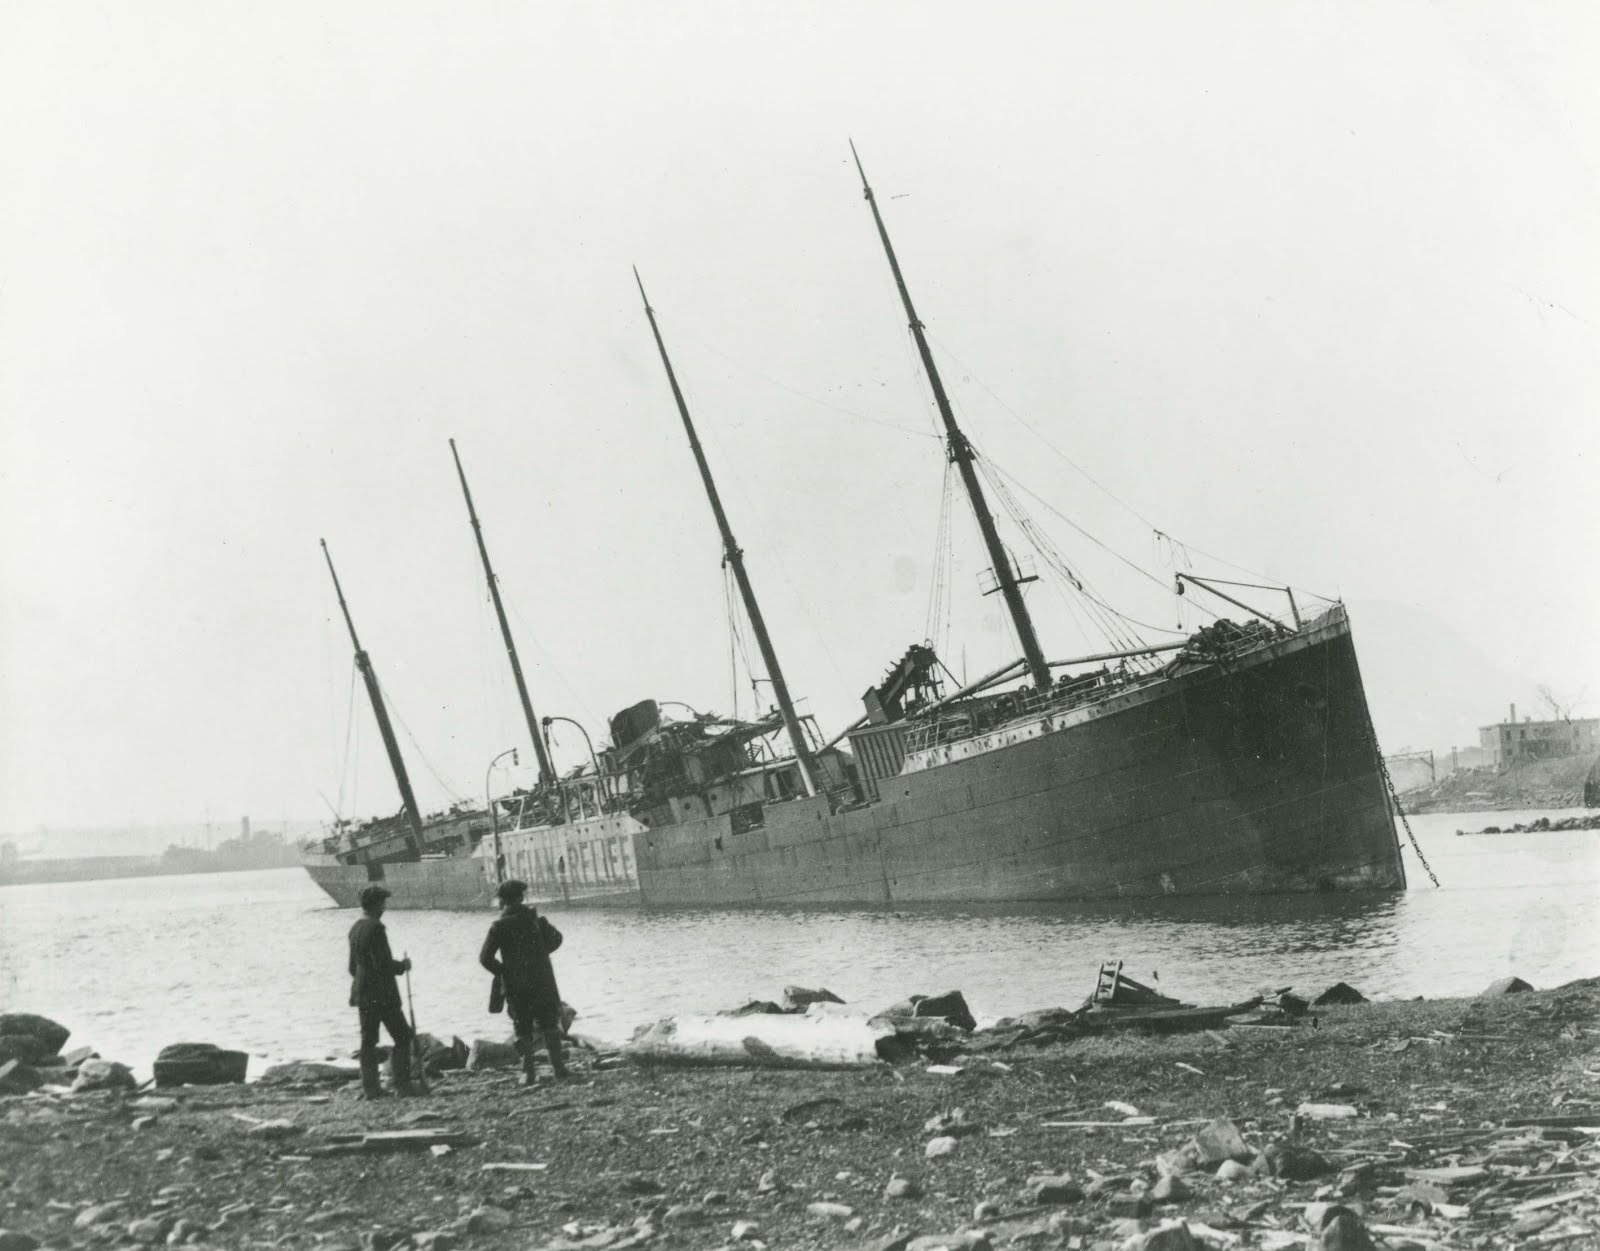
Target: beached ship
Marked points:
1241	759
570	838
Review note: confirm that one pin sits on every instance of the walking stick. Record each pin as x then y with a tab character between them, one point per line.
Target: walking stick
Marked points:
419	1072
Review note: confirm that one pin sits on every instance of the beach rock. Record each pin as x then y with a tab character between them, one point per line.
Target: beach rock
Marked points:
950	1006
1343	1231
309	1073
273	1131
438	1056
17	1078
1130	1205
685	1214
831	1211
72	1059
1291	1162
184	1230
744	1231
1339	992
964	1240
986	1210
434	1240
150	1229
1292	1005
756	1007
1049	1188
484	1054
1170	1189
1170	1236
901	1188
1217	1142
16	1240
23	1047
199	1064
488	1219
942	1146
48	1032
1232	1171
1505	986
98	1214
103	1075
799	998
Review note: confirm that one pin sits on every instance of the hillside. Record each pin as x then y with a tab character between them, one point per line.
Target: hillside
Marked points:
1538	784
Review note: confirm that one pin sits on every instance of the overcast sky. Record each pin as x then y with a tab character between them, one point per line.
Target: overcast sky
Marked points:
1311	288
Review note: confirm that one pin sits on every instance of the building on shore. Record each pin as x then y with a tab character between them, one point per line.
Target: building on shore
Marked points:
1512	742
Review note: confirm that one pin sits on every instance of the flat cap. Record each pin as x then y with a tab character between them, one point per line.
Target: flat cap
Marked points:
511	890
371	895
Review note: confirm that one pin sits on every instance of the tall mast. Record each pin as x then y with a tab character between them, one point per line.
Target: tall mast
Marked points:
735	557
547	775
401	779
961	453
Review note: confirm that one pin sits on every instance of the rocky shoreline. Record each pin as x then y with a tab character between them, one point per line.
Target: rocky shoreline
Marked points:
1404	1125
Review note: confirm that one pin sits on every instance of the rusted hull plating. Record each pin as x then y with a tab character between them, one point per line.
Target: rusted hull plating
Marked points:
1257	777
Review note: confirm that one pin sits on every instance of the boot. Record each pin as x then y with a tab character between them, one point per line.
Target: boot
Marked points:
530	1072
558	1060
371	1086
400	1069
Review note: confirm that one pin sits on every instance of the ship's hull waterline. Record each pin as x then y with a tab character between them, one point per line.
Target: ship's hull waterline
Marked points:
1258	775
1252	777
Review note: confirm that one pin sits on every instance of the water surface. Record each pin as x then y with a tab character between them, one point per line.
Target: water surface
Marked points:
257	960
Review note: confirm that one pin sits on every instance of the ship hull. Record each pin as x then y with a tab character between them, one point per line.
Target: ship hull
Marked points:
1255	776
582	864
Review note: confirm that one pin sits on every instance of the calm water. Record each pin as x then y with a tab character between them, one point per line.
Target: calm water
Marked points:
256	961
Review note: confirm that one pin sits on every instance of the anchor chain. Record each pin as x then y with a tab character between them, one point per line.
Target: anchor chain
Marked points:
1394	797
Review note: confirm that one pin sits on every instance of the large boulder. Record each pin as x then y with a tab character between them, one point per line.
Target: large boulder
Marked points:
437	1055
103	1075
24	1047
199	1064
1505	986
950	1006
309	1073
1339	992
52	1035
484	1054
16	1078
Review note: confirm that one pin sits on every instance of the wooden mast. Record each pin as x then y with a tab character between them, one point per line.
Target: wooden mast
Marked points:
960	452
733	556
547	775
363	663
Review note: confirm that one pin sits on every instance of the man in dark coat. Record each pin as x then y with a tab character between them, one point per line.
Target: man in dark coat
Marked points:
517	951
376	997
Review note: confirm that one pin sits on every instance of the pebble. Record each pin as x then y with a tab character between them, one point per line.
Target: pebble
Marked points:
1232	1171
434	1240
685	1214
744	1231
986	1210
1049	1188
937	1147
150	1229
901	1188
96	1214
488	1220
831	1211
1171	1189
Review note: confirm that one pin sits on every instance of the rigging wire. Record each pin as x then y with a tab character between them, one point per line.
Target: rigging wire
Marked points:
679	330
937	623
346	772
452	792
1099	486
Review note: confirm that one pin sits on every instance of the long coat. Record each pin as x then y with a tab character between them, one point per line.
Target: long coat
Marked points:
373	967
517	951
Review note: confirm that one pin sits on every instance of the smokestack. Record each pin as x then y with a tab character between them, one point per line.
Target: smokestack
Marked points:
1513	714
244	828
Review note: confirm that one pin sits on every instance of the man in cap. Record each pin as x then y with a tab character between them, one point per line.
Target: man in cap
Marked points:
376	997
517	951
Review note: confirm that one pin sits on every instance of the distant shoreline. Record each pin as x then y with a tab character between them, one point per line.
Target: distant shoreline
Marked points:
97	869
